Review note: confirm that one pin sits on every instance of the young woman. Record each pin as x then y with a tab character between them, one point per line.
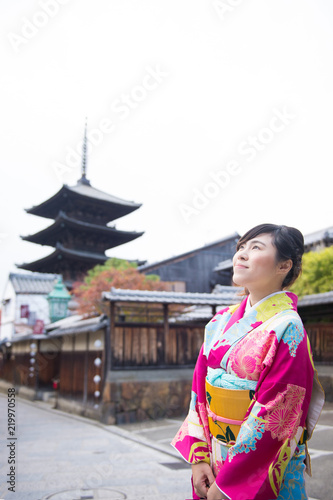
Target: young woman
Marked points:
255	395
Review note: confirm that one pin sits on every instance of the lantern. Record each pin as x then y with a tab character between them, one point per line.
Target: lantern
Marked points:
58	301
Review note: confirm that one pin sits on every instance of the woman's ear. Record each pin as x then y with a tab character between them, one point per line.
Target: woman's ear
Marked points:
285	266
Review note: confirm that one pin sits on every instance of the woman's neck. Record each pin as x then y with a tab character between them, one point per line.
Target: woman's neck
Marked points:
257	295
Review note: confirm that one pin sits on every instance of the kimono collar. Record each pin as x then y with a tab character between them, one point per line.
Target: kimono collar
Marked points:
264	309
225	334
273	304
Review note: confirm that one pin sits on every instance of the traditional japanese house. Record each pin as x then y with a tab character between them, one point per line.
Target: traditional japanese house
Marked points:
195	271
24	303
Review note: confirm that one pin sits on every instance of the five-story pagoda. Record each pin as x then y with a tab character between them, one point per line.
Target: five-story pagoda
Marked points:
79	234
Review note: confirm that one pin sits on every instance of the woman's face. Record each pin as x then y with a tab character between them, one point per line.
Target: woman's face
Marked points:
255	264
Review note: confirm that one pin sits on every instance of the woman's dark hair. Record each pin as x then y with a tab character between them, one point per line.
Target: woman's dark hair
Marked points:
289	243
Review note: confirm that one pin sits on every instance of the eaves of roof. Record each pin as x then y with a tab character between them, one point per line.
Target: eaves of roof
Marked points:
316	299
63	220
156	297
69	253
86	193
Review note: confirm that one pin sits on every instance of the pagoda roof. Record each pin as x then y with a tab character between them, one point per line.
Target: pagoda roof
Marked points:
110	236
83	195
61	253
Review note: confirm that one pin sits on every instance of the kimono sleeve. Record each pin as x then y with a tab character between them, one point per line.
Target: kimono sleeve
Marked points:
254	467
193	439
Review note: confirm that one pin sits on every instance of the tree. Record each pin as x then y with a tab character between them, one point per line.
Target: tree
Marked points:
115	273
317	274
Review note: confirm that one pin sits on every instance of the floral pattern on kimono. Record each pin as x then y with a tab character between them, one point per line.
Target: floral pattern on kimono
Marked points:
266	348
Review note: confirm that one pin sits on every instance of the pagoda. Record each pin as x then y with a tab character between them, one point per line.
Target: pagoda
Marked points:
79	234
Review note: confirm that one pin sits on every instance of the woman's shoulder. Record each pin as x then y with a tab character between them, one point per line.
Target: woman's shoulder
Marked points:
290	316
288	324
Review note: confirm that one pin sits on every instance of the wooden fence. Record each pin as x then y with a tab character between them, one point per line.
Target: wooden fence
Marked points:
321	340
135	345
138	345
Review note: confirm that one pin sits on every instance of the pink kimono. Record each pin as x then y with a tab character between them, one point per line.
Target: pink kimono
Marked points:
263	350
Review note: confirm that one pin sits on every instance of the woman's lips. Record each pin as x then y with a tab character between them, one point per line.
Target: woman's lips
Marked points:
240	266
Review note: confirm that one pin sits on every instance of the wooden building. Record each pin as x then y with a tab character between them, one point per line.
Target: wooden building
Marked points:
65	354
24	303
79	233
194	271
316	312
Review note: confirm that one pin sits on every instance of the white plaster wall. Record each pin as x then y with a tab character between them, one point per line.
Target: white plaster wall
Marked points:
37	303
8	312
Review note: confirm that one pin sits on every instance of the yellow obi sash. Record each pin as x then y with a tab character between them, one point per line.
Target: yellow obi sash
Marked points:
226	411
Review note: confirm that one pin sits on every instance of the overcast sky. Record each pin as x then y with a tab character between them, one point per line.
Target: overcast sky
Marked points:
215	115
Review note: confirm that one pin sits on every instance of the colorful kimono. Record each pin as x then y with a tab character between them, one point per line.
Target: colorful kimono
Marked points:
255	401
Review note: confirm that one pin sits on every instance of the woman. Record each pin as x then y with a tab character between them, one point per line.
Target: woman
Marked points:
255	395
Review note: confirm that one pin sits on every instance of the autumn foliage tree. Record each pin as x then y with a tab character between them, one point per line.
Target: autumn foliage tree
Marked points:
115	273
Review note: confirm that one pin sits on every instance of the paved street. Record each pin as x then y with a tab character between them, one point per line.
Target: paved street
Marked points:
65	457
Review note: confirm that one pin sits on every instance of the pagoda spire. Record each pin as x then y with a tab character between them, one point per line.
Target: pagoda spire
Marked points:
84	179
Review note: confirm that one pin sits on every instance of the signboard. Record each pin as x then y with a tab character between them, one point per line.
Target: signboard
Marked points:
24	311
38	327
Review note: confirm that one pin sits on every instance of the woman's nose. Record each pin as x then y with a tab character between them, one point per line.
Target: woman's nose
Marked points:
243	254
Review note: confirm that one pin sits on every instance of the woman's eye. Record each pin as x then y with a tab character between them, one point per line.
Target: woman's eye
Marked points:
256	246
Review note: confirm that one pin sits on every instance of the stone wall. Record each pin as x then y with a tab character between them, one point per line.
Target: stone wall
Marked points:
134	396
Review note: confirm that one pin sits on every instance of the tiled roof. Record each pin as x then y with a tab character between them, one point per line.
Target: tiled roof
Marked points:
50	235
80	326
110	207
36	283
225	297
71	254
64	322
316	299
97	194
